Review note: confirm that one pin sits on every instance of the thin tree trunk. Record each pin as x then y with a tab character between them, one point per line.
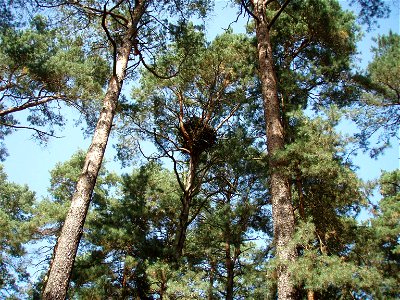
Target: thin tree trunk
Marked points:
61	266
213	268
282	207
124	281
163	287
302	213
299	186
229	264
182	227
310	295
185	211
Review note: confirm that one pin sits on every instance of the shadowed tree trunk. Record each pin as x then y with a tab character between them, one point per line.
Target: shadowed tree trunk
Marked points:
230	268
186	199
61	266
282	207
213	269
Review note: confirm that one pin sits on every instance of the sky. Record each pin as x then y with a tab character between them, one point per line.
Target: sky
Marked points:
30	163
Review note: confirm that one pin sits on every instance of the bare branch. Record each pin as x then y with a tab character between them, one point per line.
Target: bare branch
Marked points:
152	71
26	105
181	185
202	204
232	112
109	37
144	155
244	5
41	133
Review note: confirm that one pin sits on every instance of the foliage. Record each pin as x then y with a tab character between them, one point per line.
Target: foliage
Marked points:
49	213
206	119
128	236
42	70
313	62
210	87
370	10
327	197
16	212
378	111
378	240
237	216
326	273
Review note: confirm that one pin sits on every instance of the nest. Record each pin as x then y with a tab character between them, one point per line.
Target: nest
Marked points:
201	137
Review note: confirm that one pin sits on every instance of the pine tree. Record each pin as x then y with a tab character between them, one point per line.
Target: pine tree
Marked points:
125	28
222	238
378	111
377	244
269	16
186	115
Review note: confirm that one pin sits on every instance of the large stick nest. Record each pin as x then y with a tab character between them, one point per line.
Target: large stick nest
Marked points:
200	136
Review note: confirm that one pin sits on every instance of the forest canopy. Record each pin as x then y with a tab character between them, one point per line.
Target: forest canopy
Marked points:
233	178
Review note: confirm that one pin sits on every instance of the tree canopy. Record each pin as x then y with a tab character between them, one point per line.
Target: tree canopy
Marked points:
237	182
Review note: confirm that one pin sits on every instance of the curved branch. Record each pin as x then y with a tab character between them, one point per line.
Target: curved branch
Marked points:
202	204
151	70
109	37
181	185
144	155
101	12
244	5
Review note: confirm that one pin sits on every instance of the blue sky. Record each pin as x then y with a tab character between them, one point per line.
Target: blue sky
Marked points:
30	163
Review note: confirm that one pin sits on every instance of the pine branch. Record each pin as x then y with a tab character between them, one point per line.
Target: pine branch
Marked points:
282	8
40	133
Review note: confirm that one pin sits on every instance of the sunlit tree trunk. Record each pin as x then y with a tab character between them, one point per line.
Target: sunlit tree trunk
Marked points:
61	266
310	295
282	207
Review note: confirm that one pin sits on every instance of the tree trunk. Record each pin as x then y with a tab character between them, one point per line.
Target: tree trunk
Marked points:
282	207
310	295
163	287
61	266
230	275
186	200
182	227
213	268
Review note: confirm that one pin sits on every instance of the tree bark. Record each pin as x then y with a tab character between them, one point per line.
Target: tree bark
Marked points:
282	207
213	268
186	200
182	226
67	244
61	266
310	295
230	274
